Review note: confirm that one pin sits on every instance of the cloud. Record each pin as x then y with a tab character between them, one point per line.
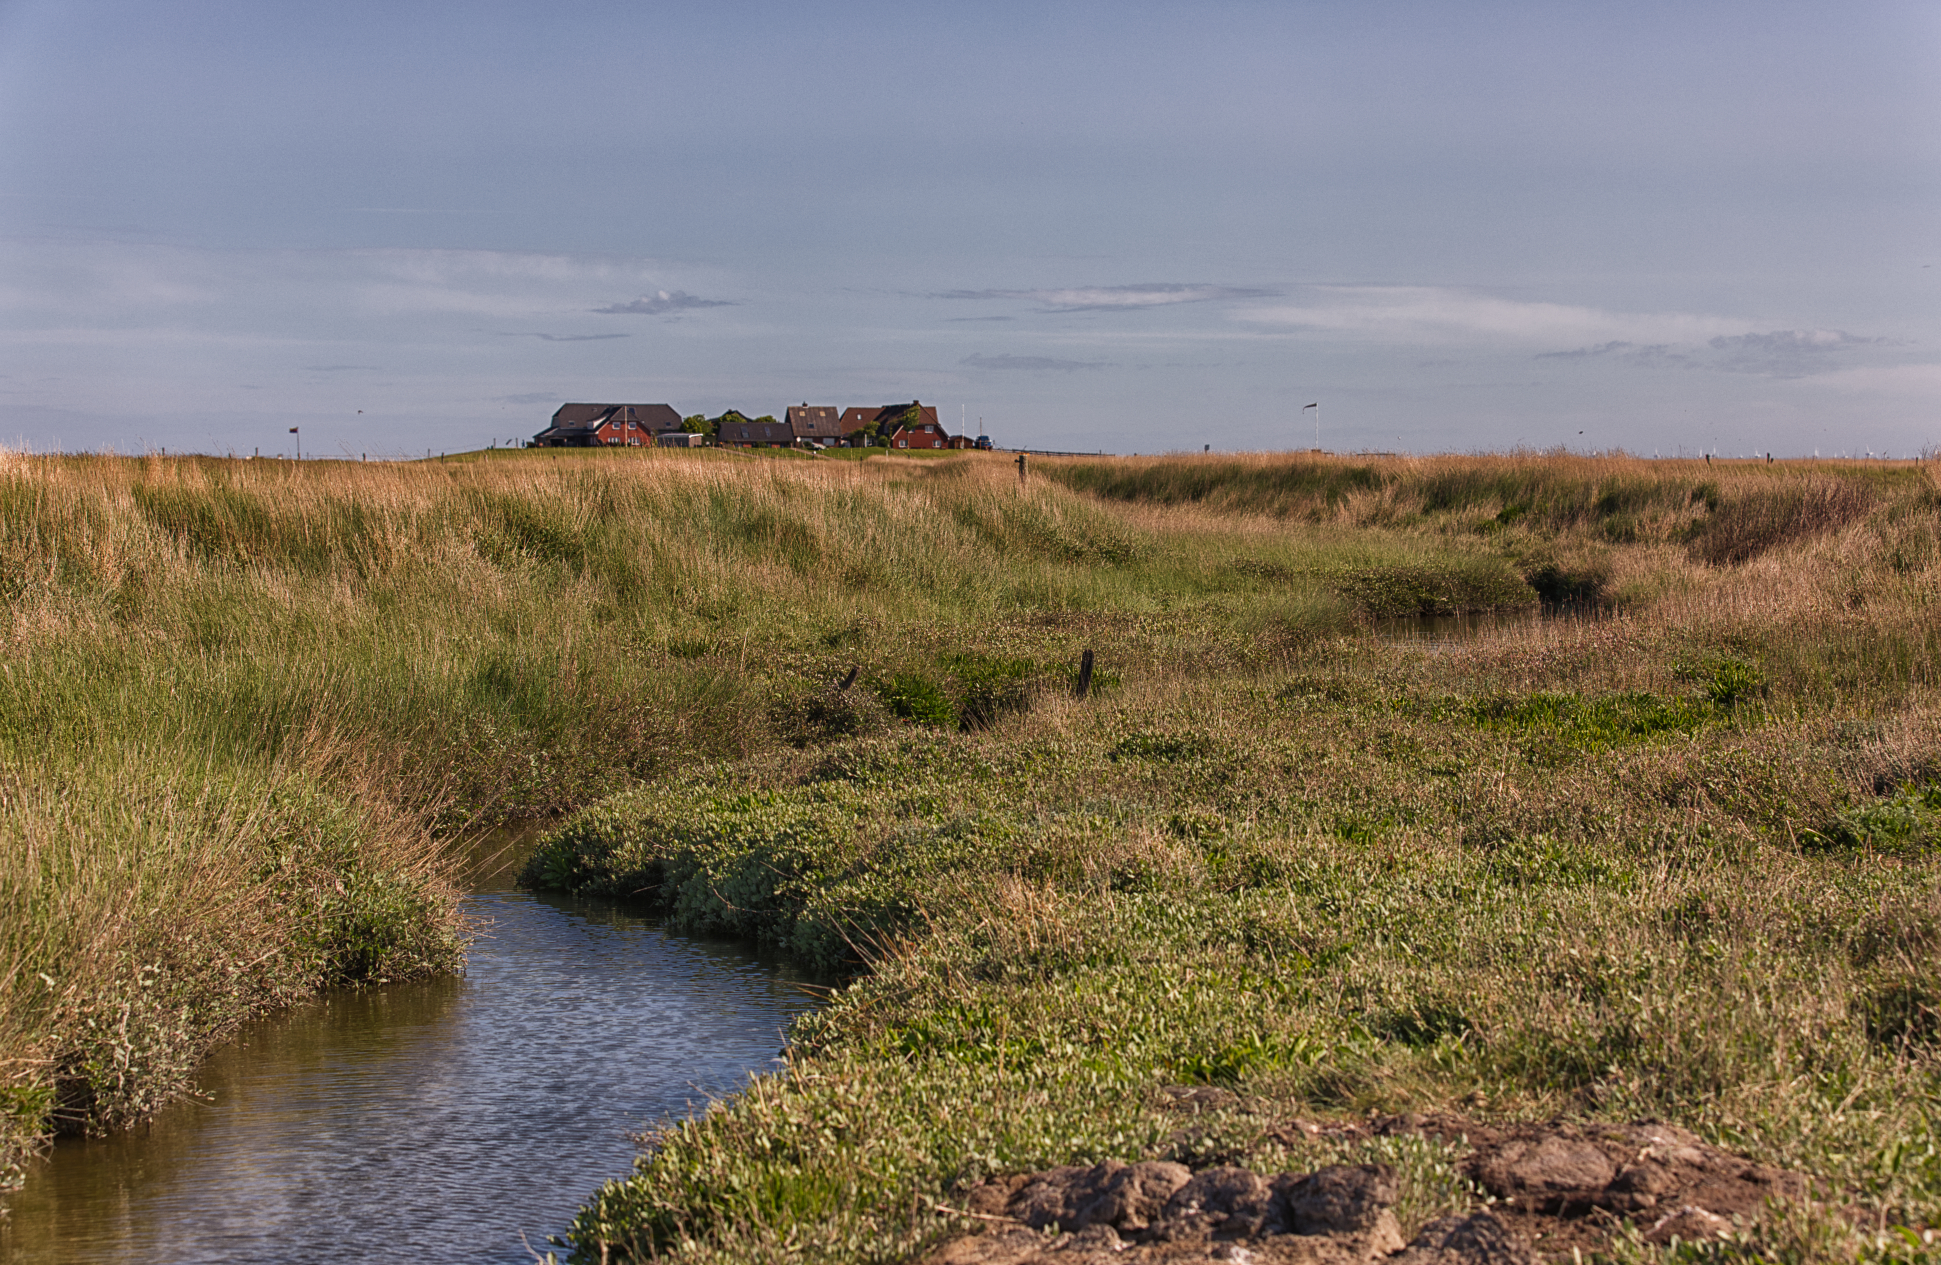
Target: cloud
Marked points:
1039	363
1115	298
338	368
1785	353
1655	354
1439	315
54	284
560	338
1582	353
954	319
661	302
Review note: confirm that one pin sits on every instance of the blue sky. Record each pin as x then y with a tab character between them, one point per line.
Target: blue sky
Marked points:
1095	226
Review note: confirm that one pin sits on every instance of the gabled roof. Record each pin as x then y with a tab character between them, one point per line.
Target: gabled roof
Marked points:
652	417
815	421
855	419
746	432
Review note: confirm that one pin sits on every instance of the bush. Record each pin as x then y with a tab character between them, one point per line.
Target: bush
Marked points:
914	696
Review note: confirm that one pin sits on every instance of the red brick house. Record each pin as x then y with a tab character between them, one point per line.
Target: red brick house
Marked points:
926	434
607	425
888	417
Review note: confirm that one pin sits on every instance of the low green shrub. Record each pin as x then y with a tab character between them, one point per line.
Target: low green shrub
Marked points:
1907	824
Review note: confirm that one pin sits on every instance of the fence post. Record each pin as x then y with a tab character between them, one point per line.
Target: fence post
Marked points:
1020	467
1084	674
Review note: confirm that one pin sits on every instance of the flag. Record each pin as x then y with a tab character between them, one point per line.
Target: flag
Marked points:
1306	407
293	430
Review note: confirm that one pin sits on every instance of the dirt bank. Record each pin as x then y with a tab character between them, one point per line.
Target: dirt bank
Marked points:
1542	1192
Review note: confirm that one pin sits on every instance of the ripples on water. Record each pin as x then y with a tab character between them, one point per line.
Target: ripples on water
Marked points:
428	1122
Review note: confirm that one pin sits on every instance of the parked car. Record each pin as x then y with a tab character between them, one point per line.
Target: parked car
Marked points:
984	443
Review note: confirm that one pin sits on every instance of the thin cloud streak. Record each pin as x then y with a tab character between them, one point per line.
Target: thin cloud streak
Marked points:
561	338
662	302
1124	298
1429	314
1785	353
1780	353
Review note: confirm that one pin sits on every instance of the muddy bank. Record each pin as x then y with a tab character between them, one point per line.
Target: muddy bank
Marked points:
1541	1192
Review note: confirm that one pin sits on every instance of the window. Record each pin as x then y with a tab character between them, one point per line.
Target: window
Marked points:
902	443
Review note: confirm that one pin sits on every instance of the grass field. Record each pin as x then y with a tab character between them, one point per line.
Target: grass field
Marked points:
1673	860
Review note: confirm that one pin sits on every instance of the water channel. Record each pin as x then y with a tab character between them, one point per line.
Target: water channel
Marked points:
1440	633
430	1122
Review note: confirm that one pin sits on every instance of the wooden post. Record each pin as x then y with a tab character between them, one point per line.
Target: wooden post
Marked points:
1085	674
1020	467
849	680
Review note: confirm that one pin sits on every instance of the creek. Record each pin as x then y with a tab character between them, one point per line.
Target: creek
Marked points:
455	1119
1440	633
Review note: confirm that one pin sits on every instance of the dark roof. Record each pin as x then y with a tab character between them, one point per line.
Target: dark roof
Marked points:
815	421
756	433
855	419
653	418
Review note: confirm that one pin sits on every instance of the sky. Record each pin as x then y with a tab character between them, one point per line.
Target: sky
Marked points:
412	227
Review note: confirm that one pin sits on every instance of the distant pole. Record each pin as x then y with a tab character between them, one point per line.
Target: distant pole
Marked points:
1316	406
293	431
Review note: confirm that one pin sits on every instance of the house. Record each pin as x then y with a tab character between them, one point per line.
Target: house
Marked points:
599	425
856	423
679	439
816	424
885	419
926	434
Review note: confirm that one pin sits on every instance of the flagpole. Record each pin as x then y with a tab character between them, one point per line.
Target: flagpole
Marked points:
1317	422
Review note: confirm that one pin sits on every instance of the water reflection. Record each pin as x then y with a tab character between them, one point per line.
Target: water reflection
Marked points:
434	1121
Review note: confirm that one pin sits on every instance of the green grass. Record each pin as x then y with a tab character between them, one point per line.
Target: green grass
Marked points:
1326	912
1672	862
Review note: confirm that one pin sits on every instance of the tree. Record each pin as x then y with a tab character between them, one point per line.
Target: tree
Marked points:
697	425
911	416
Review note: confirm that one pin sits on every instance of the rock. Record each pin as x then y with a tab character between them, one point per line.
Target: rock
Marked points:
1221	1203
1555	1173
1194	1099
1558	1185
1123	1196
1480	1238
1688	1224
1340	1199
1566	1170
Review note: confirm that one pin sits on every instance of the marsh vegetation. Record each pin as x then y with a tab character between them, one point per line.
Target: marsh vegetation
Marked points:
1675	863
